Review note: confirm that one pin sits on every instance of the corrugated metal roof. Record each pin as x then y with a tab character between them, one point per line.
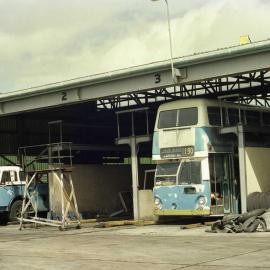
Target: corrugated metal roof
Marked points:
197	58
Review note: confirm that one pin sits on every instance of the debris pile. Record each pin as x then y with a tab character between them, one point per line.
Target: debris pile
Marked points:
256	220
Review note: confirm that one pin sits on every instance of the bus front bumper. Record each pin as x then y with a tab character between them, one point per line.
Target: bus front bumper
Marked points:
197	212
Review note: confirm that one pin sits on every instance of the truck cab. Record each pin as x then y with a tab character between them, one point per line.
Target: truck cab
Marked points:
12	185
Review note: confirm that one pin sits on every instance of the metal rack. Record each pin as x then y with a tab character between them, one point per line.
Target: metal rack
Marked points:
54	161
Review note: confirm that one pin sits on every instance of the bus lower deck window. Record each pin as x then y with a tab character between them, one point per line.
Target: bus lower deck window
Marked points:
166	173
167	168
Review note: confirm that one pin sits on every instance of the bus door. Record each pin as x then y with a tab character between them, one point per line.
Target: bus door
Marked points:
223	197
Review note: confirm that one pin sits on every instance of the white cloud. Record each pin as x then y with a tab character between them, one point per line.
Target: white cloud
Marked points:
47	41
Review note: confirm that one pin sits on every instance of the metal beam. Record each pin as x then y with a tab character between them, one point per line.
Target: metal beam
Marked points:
201	67
213	88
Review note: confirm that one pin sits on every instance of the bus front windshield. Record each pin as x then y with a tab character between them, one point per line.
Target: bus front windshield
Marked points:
170	173
166	174
190	173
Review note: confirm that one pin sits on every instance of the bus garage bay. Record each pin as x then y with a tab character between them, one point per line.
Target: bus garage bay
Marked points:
197	167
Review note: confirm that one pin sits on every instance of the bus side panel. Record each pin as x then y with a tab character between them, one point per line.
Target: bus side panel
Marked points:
206	136
155	146
176	201
201	139
209	139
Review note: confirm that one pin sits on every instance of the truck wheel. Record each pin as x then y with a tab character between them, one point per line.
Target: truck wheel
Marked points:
15	210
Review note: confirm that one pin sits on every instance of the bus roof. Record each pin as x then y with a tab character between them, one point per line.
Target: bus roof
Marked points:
196	102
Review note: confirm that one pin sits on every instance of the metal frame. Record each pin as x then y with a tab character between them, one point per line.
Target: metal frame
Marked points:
210	68
58	171
254	87
133	141
30	203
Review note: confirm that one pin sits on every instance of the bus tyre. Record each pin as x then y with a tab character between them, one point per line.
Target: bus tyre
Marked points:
253	224
261	226
15	210
253	213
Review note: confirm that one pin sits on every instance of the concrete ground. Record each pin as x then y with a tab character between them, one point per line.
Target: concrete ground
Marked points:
131	247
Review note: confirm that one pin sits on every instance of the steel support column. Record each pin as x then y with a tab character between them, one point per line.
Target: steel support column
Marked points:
133	142
242	168
135	177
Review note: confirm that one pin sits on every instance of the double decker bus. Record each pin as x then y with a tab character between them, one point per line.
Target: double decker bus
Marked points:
197	169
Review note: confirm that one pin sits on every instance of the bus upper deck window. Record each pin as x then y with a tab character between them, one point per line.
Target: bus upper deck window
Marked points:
188	117
190	173
214	116
167	119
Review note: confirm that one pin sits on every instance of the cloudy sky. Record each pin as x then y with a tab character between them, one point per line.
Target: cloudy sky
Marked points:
44	41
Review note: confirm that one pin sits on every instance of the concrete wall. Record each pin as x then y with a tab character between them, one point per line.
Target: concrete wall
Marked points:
257	169
96	188
146	205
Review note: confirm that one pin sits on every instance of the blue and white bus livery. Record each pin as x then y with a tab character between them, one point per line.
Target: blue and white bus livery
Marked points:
197	166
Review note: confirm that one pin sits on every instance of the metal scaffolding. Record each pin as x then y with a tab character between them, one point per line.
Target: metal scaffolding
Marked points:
59	173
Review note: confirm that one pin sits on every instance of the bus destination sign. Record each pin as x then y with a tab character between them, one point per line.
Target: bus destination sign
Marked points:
177	152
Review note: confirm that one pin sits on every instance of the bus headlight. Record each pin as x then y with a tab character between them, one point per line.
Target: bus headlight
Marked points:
158	203
201	201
